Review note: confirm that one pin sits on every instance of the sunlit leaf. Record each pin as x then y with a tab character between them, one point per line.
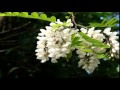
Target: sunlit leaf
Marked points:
35	14
70	12
53	18
43	16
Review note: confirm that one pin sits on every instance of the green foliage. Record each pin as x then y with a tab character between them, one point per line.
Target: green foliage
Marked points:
104	23
94	41
23	50
75	41
67	17
100	56
33	15
70	13
87	50
53	18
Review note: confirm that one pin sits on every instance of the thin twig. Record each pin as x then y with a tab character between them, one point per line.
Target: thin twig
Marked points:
73	19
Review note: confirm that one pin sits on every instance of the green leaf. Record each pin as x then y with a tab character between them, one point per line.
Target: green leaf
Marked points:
66	17
77	43
76	39
43	16
99	56
72	36
86	50
103	45
68	56
89	39
8	13
35	14
107	57
53	18
56	25
113	23
104	20
2	14
104	23
16	13
110	21
95	42
95	24
81	47
70	12
24	14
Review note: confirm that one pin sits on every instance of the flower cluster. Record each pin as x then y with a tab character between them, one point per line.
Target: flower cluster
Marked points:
112	41
88	60
56	41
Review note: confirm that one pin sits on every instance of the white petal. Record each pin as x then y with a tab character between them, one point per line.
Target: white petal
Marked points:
112	55
64	50
83	30
107	31
116	45
66	44
48	28
113	34
116	48
59	22
51	55
69	20
52	24
71	24
113	50
114	42
90	31
53	61
43	61
42	30
97	31
65	31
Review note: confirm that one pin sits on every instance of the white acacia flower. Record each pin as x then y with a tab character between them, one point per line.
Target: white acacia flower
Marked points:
68	23
113	42
89	65
107	31
112	37
90	31
91	62
96	34
54	42
83	30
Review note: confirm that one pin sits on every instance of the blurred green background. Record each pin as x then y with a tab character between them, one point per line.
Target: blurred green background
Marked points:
18	44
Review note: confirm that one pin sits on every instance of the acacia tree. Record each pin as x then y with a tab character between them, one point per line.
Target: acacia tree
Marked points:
92	43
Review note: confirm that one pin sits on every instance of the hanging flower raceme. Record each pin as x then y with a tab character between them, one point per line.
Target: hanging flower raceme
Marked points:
55	41
59	39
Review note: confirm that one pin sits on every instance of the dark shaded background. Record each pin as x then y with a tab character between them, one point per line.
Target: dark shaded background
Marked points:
18	44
